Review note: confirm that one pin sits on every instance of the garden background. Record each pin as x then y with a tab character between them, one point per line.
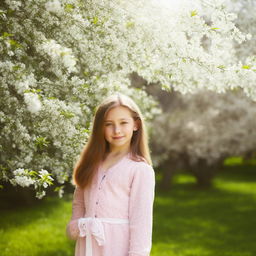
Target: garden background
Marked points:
190	66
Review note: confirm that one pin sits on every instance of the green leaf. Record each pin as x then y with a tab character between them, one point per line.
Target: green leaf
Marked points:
69	7
95	20
221	67
130	24
193	13
6	34
32	173
85	86
86	73
85	131
246	66
49	182
215	28
67	114
14	43
32	90
16	67
62	54
41	142
58	188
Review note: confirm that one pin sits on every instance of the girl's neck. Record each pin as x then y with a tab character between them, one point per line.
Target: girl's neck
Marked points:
118	152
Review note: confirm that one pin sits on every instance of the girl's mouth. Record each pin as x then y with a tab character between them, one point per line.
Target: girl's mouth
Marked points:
117	138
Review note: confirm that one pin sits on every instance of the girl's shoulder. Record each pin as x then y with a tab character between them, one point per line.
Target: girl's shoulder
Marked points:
139	164
141	172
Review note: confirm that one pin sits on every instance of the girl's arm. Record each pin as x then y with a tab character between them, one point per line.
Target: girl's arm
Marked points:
78	211
141	210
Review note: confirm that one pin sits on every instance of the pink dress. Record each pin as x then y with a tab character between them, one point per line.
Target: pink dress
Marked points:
124	191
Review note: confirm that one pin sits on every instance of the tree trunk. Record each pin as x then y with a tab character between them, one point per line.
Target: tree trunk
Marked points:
169	167
204	173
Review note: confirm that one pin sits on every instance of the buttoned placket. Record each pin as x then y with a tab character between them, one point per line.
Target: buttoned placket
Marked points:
99	190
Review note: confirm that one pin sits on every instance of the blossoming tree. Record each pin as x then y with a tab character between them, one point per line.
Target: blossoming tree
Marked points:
59	58
205	128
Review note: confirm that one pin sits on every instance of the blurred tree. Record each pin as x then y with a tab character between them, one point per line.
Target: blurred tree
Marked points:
198	132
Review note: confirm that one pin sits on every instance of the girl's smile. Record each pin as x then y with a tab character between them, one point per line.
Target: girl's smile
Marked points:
118	138
119	127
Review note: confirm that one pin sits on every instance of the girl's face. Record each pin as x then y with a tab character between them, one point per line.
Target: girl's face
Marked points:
118	128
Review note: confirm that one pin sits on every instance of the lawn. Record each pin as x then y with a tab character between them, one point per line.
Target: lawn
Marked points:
220	221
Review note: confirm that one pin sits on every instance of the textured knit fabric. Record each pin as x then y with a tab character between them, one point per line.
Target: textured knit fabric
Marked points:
124	191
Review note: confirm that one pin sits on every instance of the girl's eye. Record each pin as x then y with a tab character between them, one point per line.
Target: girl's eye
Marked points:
108	124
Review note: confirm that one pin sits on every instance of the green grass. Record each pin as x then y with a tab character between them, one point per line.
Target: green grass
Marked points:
220	221
36	231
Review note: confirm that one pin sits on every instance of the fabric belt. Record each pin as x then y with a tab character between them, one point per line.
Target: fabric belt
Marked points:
93	227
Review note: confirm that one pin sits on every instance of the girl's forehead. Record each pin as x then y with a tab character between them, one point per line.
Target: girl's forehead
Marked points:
119	112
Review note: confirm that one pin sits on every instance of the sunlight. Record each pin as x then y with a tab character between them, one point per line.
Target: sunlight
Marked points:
170	3
177	4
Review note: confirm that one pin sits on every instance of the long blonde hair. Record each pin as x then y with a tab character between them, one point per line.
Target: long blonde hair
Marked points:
97	148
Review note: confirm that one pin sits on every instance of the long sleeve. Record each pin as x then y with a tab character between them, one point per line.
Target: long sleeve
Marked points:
78	211
141	210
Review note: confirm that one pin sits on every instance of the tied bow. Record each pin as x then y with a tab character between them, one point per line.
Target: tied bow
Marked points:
91	227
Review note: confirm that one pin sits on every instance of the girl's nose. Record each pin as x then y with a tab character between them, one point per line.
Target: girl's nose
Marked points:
116	129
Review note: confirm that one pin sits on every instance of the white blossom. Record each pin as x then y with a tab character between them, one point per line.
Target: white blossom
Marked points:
69	62
23	181
40	194
33	103
59	53
19	172
43	172
54	6
13	4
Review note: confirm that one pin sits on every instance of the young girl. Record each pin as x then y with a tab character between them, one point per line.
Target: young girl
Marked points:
113	199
